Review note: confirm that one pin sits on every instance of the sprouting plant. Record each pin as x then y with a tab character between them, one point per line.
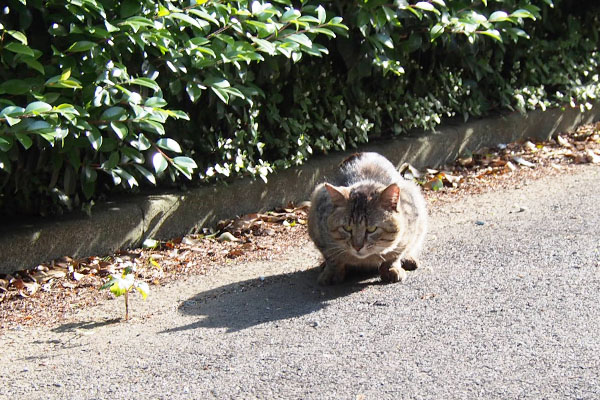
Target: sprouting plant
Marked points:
122	284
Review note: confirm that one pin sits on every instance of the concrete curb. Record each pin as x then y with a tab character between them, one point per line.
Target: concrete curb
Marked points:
123	224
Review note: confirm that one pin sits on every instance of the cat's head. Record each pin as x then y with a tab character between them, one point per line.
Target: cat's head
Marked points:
365	219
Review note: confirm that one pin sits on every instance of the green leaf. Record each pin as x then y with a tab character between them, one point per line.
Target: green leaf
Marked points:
133	154
216	81
136	22
38	107
194	91
89	173
108	283
290	15
142	143
155	102
149	83
309	18
36	125
337	22
12	121
95	138
19	36
436	31
521	13
120	129
221	94
492	33
153	127
423	5
114	114
203	14
185	162
25	140
385	40
159	162
264	45
66	109
57	82
122	284
112	162
178	114
83	45
19	49
163	11
14	87
189	20
129	179
498	16
5	144
129	8
321	14
323	31
143	288
169	144
147	174
13	111
33	64
301	38
66	74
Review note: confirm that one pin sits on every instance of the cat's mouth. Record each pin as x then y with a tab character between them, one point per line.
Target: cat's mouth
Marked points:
362	253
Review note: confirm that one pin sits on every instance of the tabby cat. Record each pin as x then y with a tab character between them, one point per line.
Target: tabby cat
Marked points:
369	217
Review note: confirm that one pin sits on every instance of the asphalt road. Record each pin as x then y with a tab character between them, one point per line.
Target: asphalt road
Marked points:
506	307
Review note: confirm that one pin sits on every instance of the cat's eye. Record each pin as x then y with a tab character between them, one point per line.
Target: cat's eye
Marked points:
371	229
347	228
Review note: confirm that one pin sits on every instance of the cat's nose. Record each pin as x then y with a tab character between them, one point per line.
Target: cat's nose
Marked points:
357	247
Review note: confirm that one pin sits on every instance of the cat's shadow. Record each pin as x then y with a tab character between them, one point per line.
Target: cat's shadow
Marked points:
249	303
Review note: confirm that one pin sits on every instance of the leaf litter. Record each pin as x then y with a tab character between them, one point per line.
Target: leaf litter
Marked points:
485	165
52	291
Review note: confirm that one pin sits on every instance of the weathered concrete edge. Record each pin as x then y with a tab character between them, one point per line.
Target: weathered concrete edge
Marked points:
127	223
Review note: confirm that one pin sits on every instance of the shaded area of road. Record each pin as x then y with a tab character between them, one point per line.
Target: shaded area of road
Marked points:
507	306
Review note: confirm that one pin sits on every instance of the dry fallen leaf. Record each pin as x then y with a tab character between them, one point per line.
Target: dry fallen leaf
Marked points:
465	161
530	146
409	172
435	183
563	142
510	167
592	157
521	161
227	237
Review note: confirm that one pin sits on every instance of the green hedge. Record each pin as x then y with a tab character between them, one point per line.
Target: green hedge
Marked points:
98	96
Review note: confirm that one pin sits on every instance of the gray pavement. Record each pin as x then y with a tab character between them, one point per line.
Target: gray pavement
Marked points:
506	307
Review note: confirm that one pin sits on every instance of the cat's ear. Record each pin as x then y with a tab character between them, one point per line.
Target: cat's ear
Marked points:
339	195
389	197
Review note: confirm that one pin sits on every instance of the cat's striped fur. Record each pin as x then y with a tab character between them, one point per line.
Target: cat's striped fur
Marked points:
367	216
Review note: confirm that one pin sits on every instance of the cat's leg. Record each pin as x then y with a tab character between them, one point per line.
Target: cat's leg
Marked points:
392	272
410	263
332	273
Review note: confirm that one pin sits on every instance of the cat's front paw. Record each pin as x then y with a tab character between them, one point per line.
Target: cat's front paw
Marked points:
330	276
410	264
392	274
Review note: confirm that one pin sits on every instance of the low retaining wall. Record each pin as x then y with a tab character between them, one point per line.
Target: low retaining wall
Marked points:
128	222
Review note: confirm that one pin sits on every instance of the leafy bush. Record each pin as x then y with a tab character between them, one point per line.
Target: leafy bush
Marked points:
83	85
98	93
